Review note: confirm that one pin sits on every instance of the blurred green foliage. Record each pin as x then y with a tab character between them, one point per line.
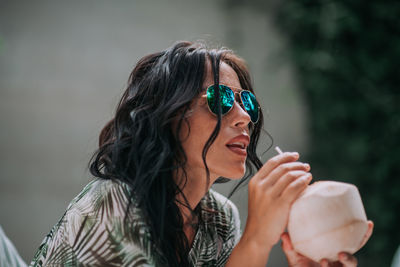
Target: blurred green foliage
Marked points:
346	54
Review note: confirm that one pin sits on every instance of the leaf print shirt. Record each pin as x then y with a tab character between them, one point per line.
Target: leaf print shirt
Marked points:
93	232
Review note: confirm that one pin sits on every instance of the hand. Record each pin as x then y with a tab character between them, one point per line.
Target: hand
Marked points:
271	192
345	259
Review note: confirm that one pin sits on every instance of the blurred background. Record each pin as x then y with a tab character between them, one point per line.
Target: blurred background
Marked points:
326	73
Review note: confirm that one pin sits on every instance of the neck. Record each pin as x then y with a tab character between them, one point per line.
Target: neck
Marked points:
194	187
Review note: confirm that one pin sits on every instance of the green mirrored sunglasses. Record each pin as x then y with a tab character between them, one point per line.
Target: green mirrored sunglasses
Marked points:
248	101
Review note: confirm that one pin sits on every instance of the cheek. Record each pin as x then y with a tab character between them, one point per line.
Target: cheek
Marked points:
195	138
219	160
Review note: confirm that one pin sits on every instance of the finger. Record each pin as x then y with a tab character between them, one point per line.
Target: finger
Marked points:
286	242
295	188
367	234
287	247
284	168
274	162
285	180
347	259
324	263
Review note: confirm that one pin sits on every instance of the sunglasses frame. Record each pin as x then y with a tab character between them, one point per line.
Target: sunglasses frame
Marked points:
239	92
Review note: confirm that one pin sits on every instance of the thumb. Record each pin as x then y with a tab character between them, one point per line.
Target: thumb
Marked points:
286	242
292	256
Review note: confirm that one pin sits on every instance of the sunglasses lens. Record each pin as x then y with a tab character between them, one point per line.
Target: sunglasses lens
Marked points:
250	104
226	99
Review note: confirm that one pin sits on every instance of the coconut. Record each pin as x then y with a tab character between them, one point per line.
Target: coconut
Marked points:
326	219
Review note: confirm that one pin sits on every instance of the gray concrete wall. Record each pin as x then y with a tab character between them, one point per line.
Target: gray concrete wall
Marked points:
63	67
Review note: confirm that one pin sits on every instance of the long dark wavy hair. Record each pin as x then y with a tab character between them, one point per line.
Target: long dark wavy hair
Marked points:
141	148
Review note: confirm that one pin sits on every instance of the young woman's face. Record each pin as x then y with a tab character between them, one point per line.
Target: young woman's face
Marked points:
227	155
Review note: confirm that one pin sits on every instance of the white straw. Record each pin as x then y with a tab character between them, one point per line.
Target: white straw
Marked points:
278	150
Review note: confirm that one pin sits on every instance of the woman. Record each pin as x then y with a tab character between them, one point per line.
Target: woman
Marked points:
175	134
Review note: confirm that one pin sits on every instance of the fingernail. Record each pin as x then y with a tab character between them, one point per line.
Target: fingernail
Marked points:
344	256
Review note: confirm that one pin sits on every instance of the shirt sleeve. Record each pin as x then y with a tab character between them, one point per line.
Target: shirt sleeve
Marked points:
8	254
94	244
94	232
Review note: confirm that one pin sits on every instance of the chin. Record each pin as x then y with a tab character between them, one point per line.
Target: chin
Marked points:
236	174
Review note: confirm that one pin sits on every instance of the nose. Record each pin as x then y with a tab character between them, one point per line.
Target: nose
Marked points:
240	117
